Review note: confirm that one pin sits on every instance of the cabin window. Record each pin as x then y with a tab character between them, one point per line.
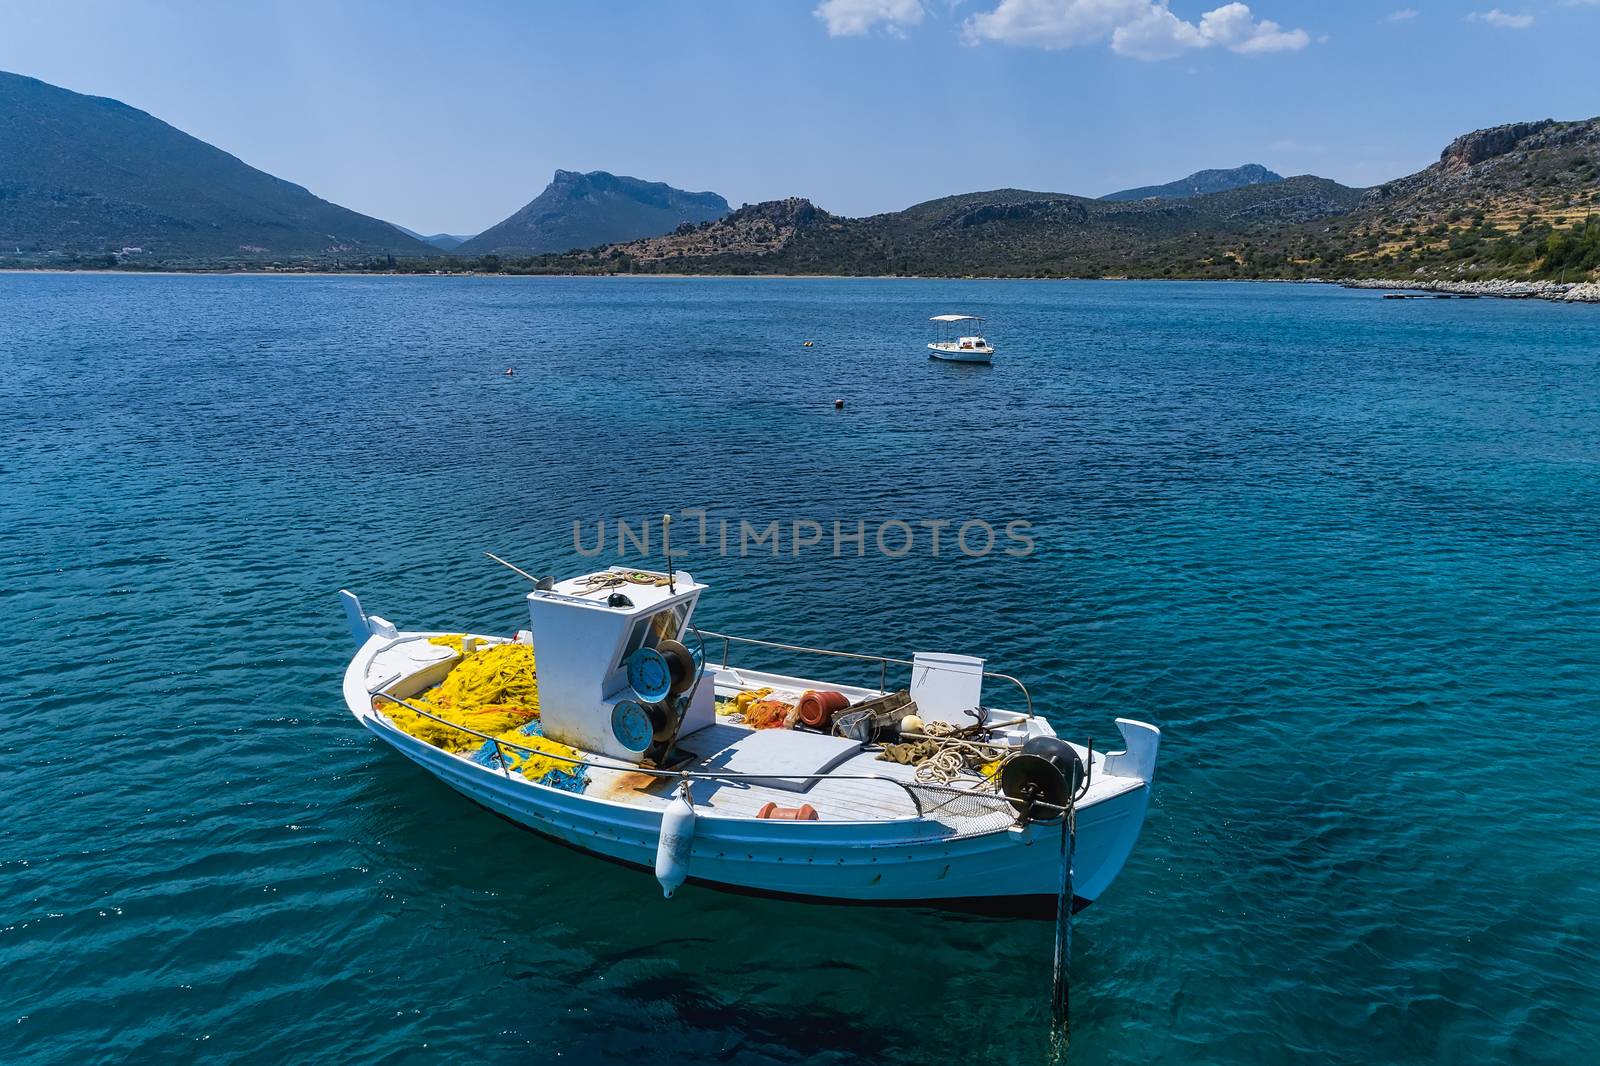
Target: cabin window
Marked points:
636	638
666	625
653	629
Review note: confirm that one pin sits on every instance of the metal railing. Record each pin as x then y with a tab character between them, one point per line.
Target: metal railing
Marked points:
883	661
909	788
678	775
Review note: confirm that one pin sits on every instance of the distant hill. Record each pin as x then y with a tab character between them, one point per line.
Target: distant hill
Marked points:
1010	232
585	210
87	176
444	241
1199	183
1520	201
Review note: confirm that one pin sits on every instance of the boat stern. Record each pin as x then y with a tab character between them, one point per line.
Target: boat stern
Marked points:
1140	741
1112	825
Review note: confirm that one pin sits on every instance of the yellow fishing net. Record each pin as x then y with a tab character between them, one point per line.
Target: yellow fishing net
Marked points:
741	703
494	690
532	755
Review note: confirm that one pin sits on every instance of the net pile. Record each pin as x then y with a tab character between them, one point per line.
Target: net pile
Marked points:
494	690
762	708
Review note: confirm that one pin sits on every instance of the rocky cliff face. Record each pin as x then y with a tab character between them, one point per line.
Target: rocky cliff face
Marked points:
1519	202
1544	167
1479	145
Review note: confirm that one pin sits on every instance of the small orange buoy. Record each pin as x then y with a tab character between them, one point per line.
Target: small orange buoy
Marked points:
838	405
803	813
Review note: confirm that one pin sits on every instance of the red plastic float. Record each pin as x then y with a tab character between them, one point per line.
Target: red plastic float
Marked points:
816	709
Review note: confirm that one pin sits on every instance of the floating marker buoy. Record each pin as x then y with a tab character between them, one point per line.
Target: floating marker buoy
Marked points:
677	840
838	405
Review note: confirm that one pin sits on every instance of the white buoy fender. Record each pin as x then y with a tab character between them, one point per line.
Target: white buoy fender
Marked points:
677	839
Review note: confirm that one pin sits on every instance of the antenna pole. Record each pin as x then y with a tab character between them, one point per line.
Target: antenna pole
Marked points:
666	546
509	566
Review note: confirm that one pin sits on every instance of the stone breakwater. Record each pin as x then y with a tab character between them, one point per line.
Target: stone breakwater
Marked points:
1570	291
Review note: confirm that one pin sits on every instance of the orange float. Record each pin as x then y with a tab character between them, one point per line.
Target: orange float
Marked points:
816	709
803	813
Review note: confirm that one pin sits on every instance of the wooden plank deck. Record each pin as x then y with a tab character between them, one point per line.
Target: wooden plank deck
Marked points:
835	800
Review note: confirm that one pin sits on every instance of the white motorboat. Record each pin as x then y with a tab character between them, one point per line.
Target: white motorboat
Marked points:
637	749
954	347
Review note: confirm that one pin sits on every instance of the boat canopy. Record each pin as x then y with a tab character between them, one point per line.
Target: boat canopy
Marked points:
954	318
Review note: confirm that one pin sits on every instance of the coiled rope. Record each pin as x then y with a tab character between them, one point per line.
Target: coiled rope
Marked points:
955	755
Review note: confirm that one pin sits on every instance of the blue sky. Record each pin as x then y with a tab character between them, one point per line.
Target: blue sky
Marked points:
449	117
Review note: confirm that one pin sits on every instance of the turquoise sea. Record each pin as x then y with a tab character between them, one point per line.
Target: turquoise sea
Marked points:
1346	552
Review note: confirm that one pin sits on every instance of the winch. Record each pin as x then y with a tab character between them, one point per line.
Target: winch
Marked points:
1046	771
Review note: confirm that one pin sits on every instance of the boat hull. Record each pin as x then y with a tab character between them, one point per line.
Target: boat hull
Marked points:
961	355
888	860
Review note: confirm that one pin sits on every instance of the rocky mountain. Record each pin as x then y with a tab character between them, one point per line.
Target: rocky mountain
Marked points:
753	231
1514	201
1527	164
1199	183
85	176
585	210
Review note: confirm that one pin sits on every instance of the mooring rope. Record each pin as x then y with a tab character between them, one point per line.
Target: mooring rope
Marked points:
955	754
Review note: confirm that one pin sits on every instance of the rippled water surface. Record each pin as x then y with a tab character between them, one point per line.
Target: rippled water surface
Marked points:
1343	551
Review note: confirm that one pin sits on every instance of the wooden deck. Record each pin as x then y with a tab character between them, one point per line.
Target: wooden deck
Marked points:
834	800
413	665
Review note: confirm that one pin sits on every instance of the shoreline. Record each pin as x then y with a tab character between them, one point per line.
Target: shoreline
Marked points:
1553	291
1557	291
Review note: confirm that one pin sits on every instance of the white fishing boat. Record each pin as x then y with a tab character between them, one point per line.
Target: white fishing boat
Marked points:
954	346
639	750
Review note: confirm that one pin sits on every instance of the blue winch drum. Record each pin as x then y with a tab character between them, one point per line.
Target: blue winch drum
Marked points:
649	675
632	725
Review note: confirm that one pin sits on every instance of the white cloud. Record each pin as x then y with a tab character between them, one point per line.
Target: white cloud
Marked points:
1053	23
1141	29
1156	34
1406	13
1232	26
856	18
1496	17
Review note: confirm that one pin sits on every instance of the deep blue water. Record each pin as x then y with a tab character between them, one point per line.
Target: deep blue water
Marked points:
1343	551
